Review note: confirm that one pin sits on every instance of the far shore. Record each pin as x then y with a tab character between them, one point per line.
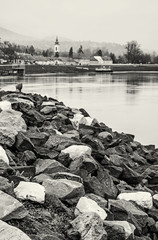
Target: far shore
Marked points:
48	70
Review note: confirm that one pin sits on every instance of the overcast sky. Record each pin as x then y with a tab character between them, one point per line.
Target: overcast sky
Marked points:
116	21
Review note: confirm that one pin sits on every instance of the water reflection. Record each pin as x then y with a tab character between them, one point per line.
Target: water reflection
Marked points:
127	102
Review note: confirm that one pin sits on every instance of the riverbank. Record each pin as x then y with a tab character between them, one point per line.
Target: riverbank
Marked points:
61	69
66	176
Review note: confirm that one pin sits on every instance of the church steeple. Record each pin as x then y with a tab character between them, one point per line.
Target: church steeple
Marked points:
57	42
56	48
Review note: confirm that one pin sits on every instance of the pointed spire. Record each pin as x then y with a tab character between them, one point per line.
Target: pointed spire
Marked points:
56	42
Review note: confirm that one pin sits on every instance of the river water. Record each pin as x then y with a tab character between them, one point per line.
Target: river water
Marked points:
126	102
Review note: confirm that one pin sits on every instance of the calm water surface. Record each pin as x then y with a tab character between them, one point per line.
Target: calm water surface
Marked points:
126	102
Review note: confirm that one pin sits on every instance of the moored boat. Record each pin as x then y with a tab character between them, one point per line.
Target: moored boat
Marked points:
104	69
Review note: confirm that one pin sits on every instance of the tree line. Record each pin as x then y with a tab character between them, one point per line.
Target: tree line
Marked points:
133	53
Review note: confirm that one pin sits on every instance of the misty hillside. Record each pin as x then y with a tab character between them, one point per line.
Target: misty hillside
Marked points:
65	43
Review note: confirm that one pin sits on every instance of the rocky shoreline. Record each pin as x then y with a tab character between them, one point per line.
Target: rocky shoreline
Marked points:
65	176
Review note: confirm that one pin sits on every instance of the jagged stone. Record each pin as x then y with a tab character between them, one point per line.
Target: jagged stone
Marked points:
86	205
43	152
93	142
23	142
65	189
11	208
101	185
19	97
64	159
5	169
11	123
85	130
71	134
87	226
6	186
127	211
59	142
37	138
12	158
119	230
130	176
3	155
28	157
41	177
30	191
8	232
83	166
32	117
49	166
48	109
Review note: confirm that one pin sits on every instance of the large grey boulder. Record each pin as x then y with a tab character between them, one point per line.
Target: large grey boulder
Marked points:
10	208
87	226
11	123
49	166
8	232
125	210
102	184
65	189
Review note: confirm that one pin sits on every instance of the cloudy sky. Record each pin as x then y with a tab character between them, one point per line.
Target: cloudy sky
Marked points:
116	21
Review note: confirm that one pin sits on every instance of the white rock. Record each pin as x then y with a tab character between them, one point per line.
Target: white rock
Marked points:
128	227
80	119
155	198
3	155
5	105
86	205
8	232
77	119
49	103
143	199
57	132
89	121
105	135
30	190
75	151
76	110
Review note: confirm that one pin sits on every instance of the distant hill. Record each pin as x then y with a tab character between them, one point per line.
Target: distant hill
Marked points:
7	35
65	43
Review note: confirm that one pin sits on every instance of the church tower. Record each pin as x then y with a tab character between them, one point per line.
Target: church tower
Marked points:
56	48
